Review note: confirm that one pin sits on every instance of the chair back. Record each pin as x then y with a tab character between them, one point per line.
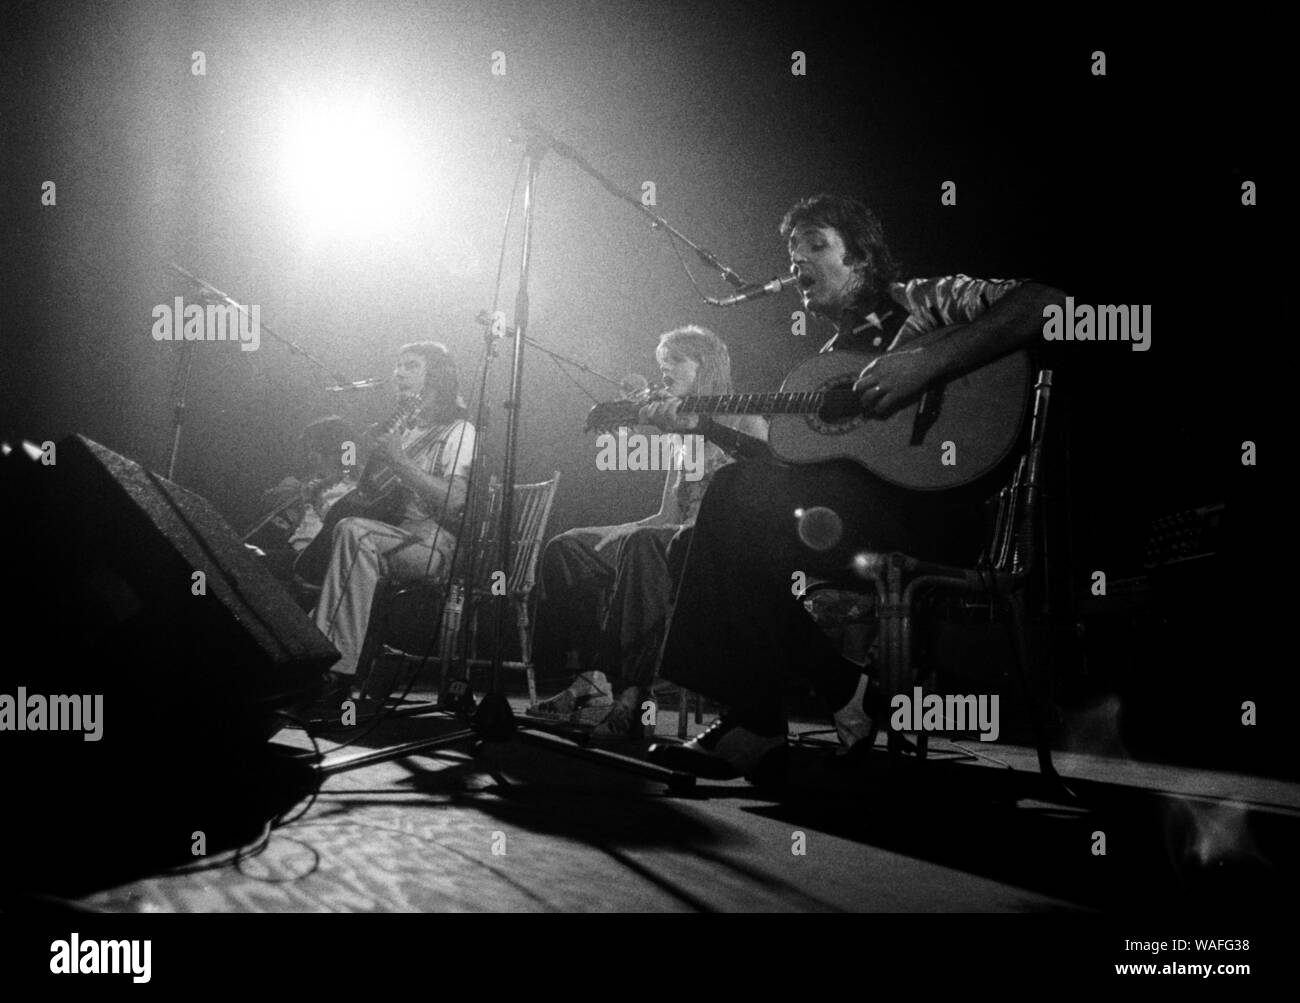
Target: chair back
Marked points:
532	512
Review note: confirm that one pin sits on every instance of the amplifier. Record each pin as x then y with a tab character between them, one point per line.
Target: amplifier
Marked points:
1184	536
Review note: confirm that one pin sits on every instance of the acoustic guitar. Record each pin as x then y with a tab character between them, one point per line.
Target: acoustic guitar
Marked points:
951	435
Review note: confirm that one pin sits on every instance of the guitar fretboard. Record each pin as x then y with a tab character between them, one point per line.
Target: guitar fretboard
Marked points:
807	402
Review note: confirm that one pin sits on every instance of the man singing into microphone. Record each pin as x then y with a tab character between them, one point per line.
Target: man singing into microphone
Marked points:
737	634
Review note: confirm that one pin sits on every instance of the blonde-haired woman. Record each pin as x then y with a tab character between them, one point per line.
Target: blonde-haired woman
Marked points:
607	590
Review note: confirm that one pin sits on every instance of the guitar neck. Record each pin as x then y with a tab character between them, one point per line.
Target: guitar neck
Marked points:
378	474
808	402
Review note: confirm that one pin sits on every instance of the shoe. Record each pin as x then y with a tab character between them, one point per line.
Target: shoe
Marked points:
723	751
858	720
589	689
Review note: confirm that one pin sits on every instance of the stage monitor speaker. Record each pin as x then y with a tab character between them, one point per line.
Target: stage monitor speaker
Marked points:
131	602
124	554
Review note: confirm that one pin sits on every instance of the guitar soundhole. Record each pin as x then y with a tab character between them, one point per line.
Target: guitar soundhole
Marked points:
841	411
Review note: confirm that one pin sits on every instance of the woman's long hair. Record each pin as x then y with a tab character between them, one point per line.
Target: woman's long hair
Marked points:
709	352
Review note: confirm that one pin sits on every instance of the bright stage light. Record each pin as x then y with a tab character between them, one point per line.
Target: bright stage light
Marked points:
349	167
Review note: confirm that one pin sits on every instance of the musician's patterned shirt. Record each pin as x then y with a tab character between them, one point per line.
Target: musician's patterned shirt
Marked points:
922	305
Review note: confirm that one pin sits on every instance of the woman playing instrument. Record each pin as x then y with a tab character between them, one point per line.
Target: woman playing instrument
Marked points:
606	591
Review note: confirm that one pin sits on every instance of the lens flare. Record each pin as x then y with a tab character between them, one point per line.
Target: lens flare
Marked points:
866	563
820	528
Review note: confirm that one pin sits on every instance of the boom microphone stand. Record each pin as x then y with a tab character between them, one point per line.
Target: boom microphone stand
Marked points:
657	222
211	295
494	719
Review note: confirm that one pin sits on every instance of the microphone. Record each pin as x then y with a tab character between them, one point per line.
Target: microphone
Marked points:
754	292
636	385
369	384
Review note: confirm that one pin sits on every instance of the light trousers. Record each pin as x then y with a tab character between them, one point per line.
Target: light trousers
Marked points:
363	551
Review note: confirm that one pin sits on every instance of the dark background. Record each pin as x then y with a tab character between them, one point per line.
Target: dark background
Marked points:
1118	189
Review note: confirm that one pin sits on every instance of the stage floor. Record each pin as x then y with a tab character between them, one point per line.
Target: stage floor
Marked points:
519	827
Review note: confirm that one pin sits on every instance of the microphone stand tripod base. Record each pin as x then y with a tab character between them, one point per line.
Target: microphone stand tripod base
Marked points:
494	721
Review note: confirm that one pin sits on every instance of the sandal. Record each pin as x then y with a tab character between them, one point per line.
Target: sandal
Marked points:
589	689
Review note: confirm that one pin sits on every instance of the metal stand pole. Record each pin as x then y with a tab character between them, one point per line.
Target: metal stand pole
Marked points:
178	410
494	716
494	719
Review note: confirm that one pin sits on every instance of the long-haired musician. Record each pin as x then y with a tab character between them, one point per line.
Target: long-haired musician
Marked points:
607	590
425	461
